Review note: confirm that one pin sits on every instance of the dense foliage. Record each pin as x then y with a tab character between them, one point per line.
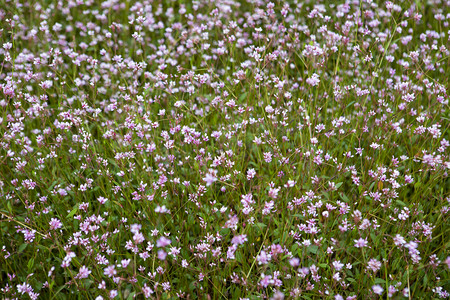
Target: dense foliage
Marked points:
224	149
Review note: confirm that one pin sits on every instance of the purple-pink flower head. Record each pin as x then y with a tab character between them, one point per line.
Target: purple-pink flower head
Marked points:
163	242
239	239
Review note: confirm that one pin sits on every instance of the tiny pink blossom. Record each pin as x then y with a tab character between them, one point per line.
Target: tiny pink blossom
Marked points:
361	243
55	224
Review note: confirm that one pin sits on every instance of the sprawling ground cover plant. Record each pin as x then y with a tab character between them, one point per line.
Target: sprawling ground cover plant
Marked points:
224	149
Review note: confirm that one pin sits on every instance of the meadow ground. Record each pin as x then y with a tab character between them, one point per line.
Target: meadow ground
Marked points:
224	149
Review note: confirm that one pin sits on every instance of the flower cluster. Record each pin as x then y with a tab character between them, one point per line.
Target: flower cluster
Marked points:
224	149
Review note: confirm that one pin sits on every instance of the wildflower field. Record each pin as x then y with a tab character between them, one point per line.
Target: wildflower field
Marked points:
169	149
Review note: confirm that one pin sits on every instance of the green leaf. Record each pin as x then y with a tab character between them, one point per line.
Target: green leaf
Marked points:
350	104
372	235
242	97
73	212
30	264
298	216
313	249
224	231
131	296
53	185
260	225
88	283
237	293
62	296
345	198
259	232
401	203
21	248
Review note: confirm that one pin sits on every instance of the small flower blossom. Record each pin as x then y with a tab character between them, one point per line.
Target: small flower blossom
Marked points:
377	289
239	239
162	242
147	291
313	80
162	254
110	271
102	200
374	265
83	272
55	224
210	178
361	243
263	258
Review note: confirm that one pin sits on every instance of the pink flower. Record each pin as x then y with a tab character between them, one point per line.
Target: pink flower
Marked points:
266	281
313	80
239	239
263	258
267	157
138	238
338	265
147	291
110	271
361	243
162	254
374	265
161	209
134	228
55	224
294	262
163	242
250	174
113	294
83	272
102	200
210	179
377	289
273	193
46	84
24	288
125	262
